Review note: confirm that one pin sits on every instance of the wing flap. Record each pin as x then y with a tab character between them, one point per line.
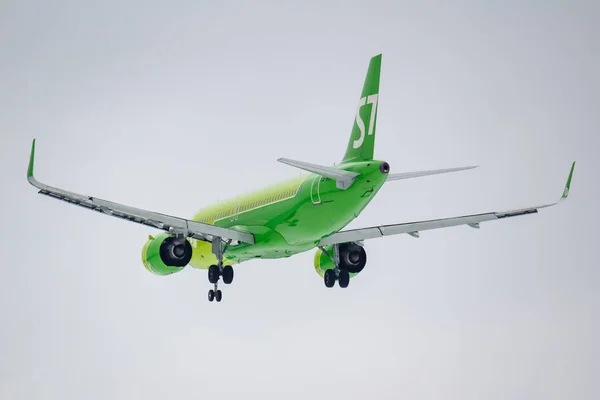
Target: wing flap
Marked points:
409	227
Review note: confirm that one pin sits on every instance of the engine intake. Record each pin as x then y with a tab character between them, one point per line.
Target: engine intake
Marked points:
166	254
352	257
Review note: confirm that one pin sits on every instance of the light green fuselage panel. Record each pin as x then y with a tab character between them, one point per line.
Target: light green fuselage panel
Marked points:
290	217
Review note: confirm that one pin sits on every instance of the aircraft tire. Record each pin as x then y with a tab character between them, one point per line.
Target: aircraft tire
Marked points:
218	296
227	274
344	278
211	295
329	278
213	274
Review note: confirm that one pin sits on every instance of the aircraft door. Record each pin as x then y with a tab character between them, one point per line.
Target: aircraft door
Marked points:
315	196
235	214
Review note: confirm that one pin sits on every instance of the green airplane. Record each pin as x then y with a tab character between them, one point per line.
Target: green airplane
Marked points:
288	218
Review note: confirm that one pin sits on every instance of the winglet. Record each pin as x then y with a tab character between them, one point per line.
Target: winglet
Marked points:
568	185
30	177
31	159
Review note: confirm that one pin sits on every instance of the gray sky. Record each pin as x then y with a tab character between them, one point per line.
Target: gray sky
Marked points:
172	106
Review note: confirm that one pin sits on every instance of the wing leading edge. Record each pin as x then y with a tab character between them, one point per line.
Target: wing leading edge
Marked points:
413	228
168	223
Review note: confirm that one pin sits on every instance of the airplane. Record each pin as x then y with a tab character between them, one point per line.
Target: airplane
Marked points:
288	218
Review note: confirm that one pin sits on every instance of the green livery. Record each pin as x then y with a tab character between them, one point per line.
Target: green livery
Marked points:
287	218
362	140
568	185
293	216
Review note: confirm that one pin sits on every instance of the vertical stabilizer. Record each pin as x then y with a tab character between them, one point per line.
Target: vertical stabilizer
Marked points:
362	139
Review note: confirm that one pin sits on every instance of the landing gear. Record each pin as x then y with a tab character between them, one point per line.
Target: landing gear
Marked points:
215	295
343	278
331	275
214	273
217	271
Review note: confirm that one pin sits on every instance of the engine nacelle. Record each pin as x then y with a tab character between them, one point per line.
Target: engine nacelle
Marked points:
352	258
166	254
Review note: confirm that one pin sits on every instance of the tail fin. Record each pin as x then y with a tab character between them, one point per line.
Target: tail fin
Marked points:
362	139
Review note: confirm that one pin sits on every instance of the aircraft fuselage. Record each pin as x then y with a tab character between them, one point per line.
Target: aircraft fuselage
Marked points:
290	217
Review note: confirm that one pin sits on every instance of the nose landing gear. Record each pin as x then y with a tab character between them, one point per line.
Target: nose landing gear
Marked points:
215	272
212	295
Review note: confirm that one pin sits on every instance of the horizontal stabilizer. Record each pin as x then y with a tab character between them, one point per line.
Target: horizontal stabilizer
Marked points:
342	178
417	174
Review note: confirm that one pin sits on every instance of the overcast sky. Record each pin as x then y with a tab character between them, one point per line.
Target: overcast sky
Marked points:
171	106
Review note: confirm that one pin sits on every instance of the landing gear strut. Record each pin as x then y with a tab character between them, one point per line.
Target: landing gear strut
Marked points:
340	274
215	272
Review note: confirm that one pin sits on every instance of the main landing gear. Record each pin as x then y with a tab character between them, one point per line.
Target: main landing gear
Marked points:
340	274
215	272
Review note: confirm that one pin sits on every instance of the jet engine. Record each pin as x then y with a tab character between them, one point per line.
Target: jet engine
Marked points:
352	258
166	254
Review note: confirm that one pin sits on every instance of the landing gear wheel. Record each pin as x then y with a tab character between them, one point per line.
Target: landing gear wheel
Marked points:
213	274
227	274
329	278
344	278
211	295
218	296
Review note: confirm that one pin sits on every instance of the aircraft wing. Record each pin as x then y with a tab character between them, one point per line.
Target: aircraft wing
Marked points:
413	228
175	225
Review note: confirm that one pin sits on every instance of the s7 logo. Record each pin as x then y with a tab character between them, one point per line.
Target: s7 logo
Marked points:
372	99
